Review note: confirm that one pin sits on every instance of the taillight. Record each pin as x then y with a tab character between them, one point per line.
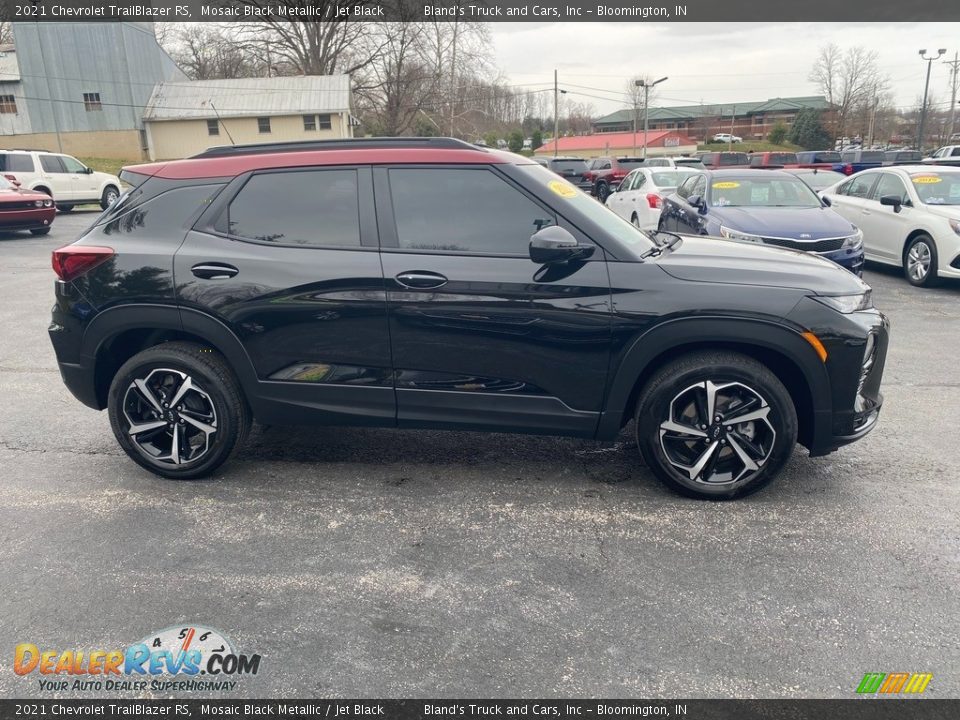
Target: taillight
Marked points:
848	169
654	200
74	260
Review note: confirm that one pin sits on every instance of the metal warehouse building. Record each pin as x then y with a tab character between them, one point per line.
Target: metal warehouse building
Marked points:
80	88
185	118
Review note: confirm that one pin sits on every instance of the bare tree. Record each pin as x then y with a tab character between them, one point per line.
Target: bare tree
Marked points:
209	51
637	96
850	81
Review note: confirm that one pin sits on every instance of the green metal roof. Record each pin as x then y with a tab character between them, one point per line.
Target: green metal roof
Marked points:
692	112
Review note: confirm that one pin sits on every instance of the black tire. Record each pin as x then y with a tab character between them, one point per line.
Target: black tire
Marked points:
40	231
110	195
603	192
919	250
218	391
682	384
65	208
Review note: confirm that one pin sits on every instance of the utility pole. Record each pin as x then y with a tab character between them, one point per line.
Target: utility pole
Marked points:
646	112
926	90
556	113
453	79
954	83
635	111
733	115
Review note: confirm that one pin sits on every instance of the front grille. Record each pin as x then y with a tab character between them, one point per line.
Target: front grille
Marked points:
828	245
18	205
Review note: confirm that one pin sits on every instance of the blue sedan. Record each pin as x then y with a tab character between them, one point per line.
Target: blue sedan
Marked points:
771	207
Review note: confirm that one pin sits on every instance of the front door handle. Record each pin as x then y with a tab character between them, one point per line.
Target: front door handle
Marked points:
214	270
421	279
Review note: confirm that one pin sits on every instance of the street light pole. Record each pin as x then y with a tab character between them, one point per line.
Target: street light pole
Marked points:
646	112
926	90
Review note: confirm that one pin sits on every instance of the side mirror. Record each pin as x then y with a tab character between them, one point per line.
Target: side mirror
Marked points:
553	244
826	201
893	200
699	203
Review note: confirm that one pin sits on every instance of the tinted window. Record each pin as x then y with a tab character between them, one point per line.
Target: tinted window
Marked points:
155	216
685	188
463	211
51	164
848	157
567	167
783	158
629	163
317	207
699	185
871	156
16	162
732	159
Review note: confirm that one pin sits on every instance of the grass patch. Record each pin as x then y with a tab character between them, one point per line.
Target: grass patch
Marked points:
747	145
107	165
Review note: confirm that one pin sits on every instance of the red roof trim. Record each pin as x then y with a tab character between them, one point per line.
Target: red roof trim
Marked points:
231	166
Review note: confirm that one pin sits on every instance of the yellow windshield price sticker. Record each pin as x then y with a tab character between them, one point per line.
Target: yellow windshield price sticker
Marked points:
727	185
564	190
926	179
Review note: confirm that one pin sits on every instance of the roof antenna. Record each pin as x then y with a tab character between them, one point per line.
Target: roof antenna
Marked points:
220	121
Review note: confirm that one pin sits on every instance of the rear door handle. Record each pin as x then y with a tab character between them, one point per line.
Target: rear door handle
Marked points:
214	270
421	279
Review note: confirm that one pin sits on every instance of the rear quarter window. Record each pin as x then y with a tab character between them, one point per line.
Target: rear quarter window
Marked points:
16	162
155	216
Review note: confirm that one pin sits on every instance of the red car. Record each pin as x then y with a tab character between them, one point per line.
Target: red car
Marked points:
25	209
605	173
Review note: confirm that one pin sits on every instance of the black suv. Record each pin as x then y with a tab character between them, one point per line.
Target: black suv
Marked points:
428	283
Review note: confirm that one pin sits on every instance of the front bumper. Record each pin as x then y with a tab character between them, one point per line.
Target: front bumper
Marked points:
26	219
849	258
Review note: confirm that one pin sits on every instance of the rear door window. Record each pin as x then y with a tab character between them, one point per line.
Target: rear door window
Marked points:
52	164
313	207
890	184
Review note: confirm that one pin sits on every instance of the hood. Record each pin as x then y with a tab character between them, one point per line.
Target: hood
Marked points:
22	194
780	222
951	212
716	260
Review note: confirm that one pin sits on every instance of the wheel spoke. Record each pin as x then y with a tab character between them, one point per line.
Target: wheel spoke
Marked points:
674	427
749	465
175	446
695	469
760	414
711	400
184	388
202	426
138	428
755	450
147	394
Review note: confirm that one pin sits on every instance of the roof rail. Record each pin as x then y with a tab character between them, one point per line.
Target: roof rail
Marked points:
345	144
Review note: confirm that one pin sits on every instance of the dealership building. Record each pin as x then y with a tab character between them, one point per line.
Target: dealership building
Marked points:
623	144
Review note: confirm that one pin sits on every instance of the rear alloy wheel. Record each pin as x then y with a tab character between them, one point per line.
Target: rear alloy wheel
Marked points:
109	197
65	208
715	425
920	262
177	410
603	192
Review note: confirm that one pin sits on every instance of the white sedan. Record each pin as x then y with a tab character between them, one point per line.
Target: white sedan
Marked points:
909	216
640	195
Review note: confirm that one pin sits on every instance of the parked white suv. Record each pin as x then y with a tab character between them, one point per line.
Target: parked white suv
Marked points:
727	138
64	178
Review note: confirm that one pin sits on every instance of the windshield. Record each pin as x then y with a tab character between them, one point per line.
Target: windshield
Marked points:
630	163
567	194
783	158
762	192
935	188
694	162
821	179
577	166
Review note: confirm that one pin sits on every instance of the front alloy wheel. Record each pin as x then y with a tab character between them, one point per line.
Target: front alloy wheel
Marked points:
715	424
920	262
717	433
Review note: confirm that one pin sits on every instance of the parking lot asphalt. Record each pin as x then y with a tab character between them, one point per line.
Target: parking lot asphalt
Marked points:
386	563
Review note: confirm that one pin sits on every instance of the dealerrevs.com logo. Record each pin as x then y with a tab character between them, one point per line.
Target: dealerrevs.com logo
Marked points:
191	658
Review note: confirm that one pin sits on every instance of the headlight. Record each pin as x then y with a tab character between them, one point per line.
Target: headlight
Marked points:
38	203
855	240
48	203
955	224
737	235
847	303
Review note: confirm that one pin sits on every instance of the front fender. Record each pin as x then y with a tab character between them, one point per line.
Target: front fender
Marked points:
648	349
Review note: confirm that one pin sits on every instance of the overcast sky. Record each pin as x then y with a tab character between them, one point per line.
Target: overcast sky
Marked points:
713	62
